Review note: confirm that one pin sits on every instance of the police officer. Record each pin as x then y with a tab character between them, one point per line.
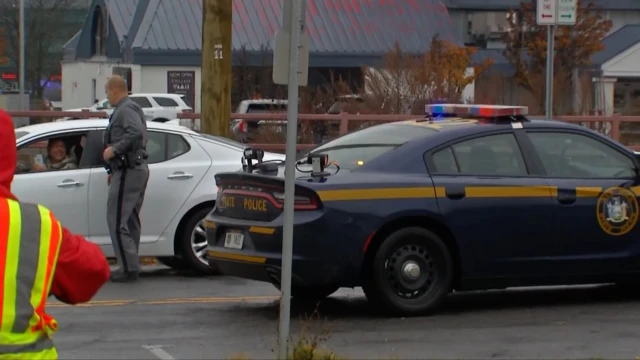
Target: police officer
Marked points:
125	141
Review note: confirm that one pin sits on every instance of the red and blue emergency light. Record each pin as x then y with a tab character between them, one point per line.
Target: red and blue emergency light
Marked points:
463	110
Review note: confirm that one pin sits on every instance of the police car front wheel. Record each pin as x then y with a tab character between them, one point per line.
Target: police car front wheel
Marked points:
412	272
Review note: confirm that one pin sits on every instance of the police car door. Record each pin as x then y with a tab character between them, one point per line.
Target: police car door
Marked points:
596	207
497	212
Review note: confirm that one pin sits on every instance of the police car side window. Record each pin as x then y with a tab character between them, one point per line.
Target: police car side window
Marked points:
445	162
490	155
578	156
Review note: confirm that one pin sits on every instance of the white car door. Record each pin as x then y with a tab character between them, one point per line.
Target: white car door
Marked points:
64	192
176	165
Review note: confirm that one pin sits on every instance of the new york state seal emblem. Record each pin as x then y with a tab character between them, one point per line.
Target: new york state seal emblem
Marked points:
617	211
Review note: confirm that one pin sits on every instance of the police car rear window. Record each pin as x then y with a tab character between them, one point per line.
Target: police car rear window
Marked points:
355	149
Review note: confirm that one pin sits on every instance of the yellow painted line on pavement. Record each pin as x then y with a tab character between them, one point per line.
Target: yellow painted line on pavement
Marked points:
175	301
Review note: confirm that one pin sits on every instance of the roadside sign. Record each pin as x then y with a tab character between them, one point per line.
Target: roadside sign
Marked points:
567	10
546	12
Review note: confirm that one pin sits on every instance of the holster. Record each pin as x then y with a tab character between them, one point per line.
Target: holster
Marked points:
135	158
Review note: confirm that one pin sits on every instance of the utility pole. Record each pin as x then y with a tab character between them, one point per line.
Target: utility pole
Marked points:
215	88
24	105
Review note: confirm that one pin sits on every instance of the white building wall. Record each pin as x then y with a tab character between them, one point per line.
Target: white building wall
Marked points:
153	79
83	82
625	64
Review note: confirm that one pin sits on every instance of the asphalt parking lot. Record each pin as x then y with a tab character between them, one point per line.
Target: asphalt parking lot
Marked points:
168	316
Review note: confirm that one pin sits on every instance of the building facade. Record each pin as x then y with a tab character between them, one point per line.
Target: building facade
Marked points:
149	41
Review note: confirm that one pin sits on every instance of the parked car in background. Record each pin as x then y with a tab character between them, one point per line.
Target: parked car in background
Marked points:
246	130
181	190
156	107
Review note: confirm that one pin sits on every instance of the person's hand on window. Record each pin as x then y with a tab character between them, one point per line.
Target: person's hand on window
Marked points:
38	167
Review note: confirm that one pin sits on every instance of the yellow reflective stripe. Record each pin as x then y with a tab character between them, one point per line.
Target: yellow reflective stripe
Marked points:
41	273
45	215
11	272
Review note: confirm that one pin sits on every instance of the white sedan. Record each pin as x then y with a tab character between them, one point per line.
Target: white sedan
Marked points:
180	193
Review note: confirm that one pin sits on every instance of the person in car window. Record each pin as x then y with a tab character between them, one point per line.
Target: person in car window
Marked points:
57	157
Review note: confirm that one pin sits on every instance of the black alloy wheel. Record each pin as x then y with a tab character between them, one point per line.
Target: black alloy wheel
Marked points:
412	272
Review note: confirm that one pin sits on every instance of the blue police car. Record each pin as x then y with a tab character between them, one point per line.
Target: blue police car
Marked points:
470	197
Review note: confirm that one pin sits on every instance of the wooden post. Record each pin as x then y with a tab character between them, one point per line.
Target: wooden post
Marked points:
215	101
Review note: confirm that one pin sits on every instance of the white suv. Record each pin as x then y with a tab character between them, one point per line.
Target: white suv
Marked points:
156	107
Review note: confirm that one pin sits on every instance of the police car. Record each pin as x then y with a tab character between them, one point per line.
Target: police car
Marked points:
470	197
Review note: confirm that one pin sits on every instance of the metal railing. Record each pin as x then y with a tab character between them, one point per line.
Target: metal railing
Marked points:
609	125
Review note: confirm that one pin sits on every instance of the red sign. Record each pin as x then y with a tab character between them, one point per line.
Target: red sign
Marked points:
9	76
55	77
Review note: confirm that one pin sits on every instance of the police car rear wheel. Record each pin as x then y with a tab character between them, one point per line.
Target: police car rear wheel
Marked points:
412	272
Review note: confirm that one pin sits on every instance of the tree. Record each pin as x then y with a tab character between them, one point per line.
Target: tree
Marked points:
3	58
526	45
408	81
49	24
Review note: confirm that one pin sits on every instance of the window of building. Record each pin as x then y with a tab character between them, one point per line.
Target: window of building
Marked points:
99	31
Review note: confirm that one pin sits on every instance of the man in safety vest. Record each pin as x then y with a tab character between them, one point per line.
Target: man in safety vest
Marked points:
38	257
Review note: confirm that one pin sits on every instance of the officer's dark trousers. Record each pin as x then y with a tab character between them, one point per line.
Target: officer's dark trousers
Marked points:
126	194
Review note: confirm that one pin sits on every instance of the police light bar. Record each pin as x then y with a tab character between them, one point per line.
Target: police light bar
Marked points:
463	110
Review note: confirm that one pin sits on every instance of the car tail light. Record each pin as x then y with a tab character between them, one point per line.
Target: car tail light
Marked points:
242	127
300	202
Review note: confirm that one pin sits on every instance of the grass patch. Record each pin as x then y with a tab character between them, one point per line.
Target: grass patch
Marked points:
309	344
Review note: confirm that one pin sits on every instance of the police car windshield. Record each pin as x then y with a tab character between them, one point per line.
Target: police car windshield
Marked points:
355	149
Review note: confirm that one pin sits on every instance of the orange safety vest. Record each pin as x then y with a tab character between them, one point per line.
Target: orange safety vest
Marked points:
30	240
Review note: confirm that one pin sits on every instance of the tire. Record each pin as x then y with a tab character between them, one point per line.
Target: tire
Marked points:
311	293
185	249
173	262
385	280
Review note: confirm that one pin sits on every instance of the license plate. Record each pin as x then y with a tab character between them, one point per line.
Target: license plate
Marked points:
233	240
